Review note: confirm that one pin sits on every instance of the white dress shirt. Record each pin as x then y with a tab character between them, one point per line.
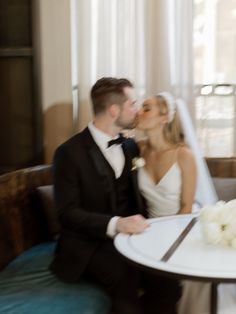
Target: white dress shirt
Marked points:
115	156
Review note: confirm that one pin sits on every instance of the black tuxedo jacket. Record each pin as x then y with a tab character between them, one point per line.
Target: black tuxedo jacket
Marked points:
85	200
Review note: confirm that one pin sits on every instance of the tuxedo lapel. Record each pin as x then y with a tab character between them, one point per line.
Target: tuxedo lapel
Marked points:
99	161
102	166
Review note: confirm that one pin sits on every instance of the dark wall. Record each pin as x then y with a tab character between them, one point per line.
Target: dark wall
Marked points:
20	126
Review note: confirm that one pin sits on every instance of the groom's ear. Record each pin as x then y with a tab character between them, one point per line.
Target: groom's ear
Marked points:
114	110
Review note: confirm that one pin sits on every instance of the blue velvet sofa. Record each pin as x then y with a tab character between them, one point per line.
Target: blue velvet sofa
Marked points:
27	242
28	229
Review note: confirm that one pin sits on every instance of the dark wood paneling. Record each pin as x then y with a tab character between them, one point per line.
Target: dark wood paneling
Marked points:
15	23
16	112
20	123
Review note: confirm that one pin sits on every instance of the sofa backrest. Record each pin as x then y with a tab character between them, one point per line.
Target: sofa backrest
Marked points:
222	167
22	221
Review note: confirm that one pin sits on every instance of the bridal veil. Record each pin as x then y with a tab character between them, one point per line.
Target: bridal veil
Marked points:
205	191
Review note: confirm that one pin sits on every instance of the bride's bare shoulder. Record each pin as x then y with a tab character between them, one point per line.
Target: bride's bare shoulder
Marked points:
185	155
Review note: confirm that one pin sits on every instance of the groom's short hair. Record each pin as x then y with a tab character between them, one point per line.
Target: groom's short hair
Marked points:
107	91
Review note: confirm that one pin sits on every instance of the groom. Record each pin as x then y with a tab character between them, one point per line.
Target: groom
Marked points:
97	196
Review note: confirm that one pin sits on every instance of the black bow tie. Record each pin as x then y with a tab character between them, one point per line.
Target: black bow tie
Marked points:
117	141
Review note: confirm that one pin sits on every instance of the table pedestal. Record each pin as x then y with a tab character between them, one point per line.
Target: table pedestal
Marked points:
213	305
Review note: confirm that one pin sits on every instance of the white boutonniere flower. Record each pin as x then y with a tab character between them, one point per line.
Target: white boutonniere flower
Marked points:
219	223
137	162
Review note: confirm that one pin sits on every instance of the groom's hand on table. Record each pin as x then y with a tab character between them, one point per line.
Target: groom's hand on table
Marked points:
132	224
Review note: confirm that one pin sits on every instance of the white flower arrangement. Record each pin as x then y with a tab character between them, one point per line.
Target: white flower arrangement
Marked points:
137	162
219	223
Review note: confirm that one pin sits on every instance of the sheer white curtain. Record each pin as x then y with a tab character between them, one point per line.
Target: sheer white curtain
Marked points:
169	48
110	42
147	41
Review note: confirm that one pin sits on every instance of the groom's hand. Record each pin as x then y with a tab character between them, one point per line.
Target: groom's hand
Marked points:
131	224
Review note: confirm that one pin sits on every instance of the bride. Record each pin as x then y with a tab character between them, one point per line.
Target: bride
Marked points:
175	179
168	181
175	176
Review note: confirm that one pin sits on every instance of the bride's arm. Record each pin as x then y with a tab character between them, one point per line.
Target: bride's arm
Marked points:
187	165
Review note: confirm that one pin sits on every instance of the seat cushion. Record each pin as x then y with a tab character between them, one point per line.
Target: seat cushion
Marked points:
27	286
225	188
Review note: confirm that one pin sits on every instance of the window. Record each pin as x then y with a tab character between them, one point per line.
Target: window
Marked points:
215	76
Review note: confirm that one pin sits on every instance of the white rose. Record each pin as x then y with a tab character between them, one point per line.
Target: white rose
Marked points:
228	213
219	223
211	213
223	241
231	204
231	227
226	216
212	232
233	243
227	233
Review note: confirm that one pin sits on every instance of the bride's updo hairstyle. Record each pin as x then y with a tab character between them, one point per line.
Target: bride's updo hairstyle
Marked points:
172	130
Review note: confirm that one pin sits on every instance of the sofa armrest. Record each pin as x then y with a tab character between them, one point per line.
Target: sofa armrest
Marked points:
22	224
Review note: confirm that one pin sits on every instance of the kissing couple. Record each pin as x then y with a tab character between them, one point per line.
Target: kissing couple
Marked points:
101	190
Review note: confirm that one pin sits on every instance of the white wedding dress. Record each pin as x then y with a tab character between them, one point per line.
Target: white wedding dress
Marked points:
163	199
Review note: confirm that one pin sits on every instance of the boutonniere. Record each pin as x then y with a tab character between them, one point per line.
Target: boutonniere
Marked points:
137	162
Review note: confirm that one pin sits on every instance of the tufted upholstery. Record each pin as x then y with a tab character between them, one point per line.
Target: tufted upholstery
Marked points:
22	223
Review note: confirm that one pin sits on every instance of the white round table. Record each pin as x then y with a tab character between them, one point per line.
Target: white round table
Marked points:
175	246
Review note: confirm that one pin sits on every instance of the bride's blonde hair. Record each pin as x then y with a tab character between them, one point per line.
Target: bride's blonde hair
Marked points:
172	130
